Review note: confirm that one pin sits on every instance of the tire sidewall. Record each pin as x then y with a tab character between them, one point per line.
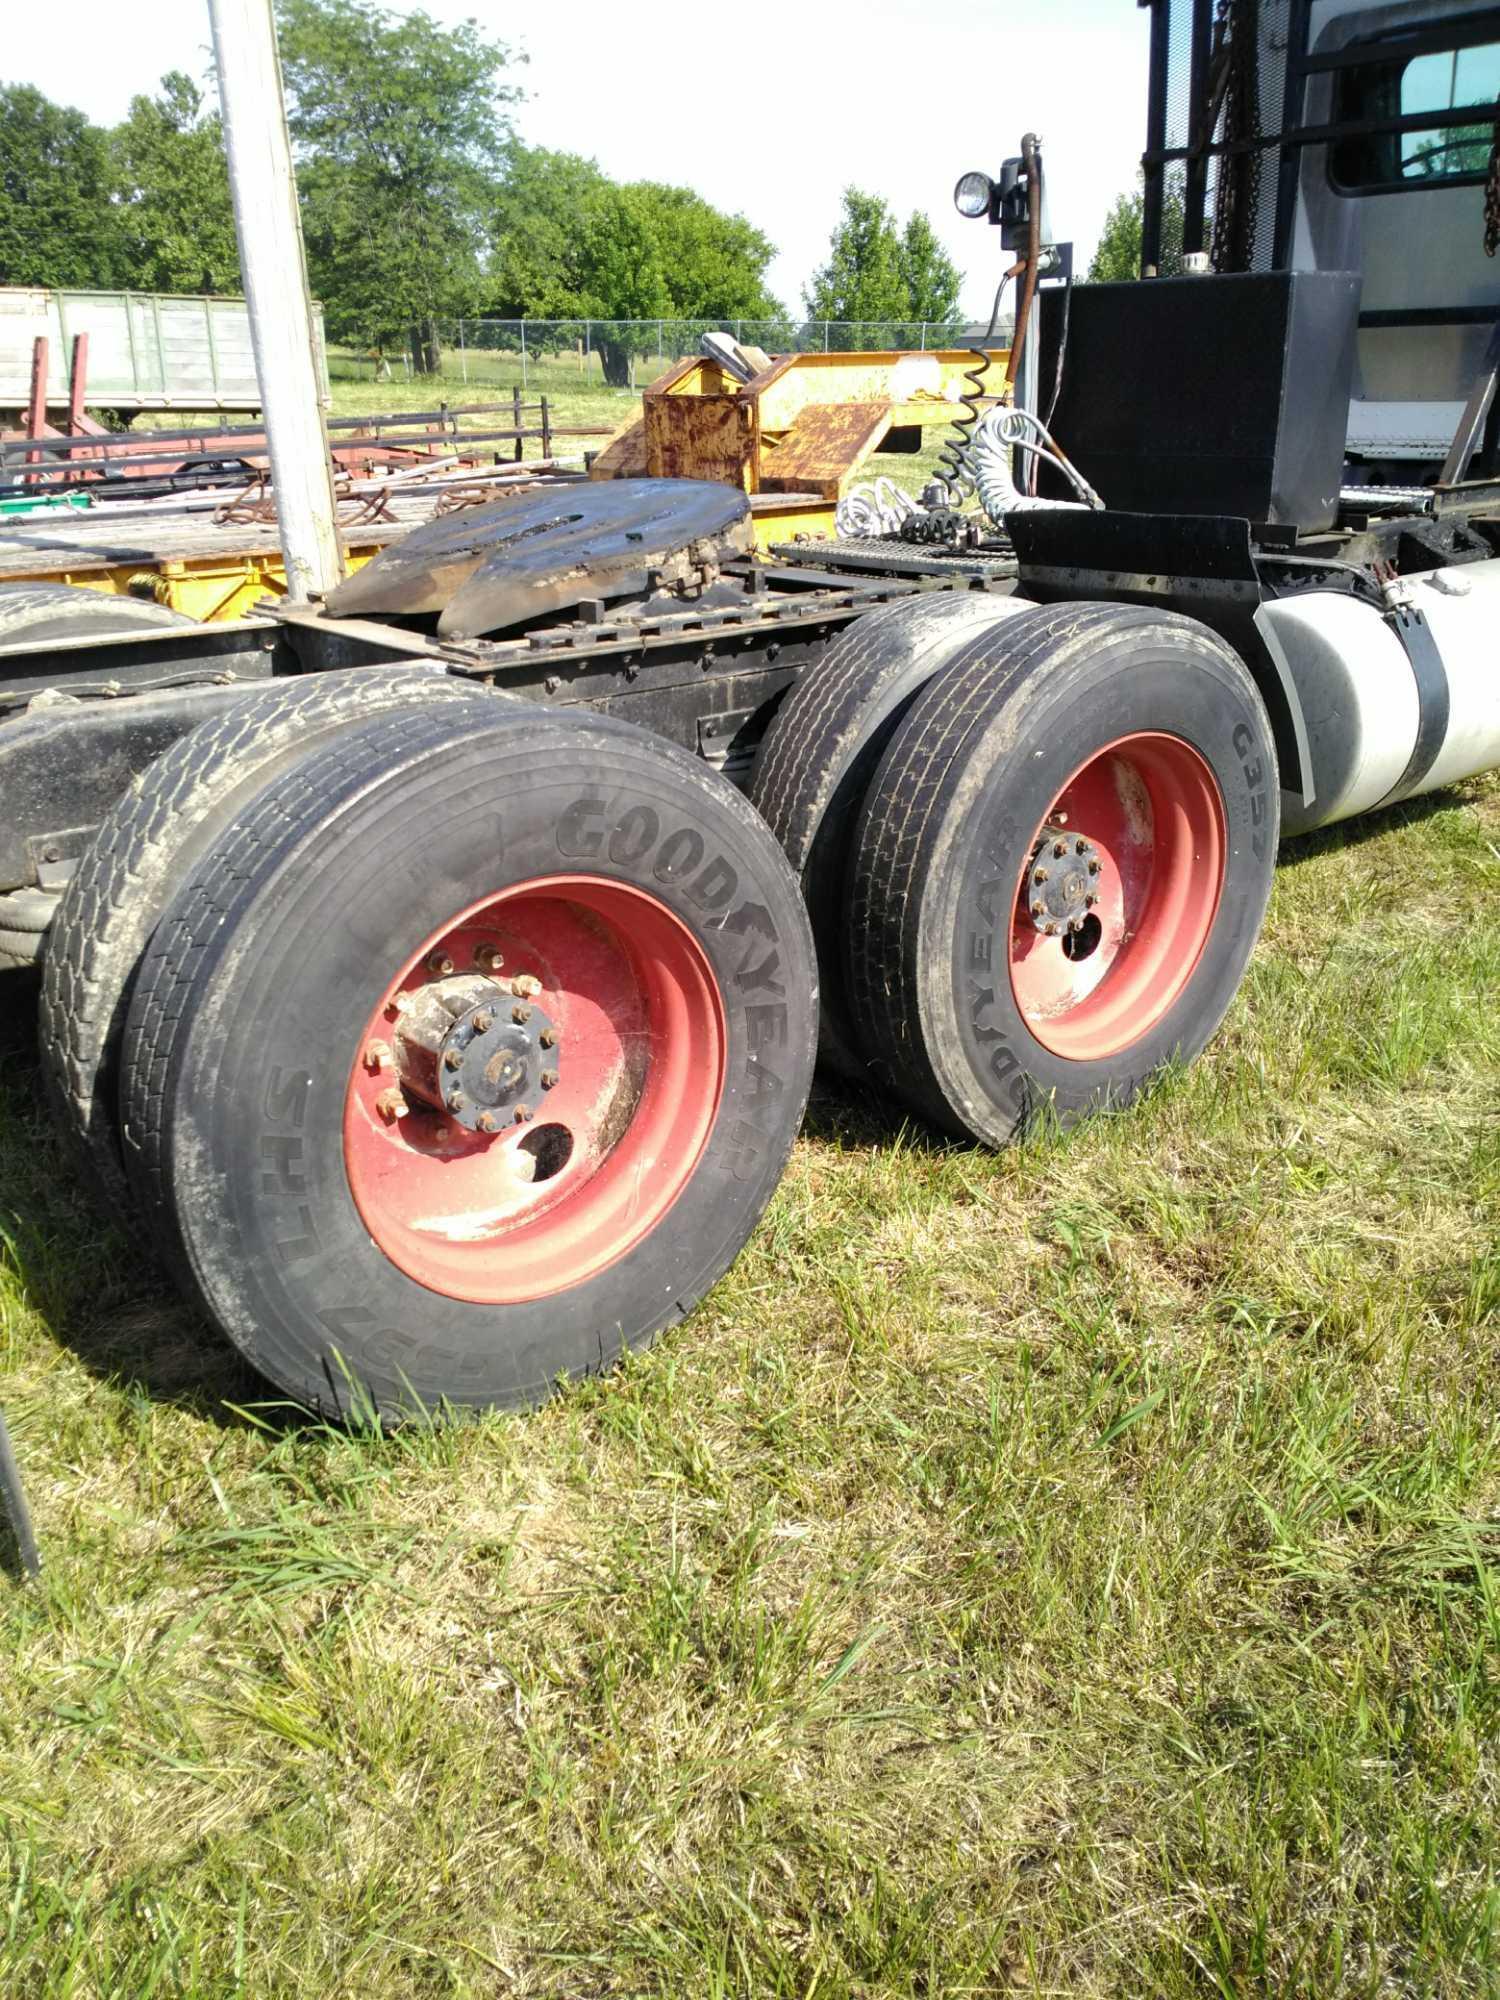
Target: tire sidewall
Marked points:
259	1077
986	1063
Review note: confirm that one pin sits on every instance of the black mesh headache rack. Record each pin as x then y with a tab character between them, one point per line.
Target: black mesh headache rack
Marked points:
1237	93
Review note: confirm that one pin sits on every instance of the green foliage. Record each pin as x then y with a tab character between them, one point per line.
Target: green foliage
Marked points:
932	278
875	272
571	244
400	127
57	226
863	278
174	219
1118	252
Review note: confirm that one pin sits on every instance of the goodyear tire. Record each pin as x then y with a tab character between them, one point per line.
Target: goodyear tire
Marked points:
146	847
822	749
1061	867
585	1153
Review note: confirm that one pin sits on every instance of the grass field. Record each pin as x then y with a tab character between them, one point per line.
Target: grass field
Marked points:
1072	1571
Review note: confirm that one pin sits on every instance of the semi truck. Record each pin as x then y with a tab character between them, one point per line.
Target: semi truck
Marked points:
435	973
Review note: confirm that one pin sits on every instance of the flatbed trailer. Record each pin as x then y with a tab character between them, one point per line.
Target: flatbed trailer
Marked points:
436	973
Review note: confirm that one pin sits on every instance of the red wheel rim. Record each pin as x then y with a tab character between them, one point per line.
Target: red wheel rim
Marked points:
1151	810
539	1207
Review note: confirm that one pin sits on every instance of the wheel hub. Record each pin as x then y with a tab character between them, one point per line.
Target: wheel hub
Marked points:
1062	882
479	1050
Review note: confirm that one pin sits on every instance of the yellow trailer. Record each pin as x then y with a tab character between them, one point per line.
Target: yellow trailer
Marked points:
796	436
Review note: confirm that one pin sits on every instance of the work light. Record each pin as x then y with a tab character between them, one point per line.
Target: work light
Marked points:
973	194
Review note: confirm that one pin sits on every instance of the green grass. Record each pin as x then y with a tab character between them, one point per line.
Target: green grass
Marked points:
1071	1571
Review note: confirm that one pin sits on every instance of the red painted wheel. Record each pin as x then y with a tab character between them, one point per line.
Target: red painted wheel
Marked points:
1061	867
1135	842
597	1118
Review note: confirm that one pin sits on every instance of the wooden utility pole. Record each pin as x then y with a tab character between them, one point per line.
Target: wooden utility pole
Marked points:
274	271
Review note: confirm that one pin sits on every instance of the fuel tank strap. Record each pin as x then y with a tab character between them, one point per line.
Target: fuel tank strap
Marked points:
1431	677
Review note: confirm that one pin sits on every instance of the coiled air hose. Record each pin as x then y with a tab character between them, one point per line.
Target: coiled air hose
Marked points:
1003	432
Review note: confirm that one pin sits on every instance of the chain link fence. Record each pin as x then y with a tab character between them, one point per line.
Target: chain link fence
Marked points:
625	353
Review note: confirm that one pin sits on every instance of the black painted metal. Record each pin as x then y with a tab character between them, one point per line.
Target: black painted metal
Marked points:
1433	702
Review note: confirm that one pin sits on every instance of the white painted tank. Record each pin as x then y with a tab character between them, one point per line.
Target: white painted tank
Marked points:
1387	720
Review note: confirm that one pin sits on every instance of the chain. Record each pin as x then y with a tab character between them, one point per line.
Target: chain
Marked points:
1492	198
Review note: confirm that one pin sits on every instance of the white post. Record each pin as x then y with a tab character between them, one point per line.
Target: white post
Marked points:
275	278
463	357
523	354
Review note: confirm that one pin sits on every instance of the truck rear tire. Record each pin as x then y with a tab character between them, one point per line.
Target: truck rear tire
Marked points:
1061	867
144	850
33	613
822	749
468	1056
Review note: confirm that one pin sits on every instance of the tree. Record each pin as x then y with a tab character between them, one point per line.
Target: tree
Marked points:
175	219
933	283
56	180
400	127
569	243
876	273
863	278
1118	252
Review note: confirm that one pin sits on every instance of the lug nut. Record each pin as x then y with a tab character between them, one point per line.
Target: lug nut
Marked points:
377	1055
488	958
439	964
1089	901
549	1079
1081	846
1040	875
525	986
548	1038
455	1100
1052	930
1039	908
1059	848
1094	867
520	1015
391	1105
484	1020
453	1059
487	1122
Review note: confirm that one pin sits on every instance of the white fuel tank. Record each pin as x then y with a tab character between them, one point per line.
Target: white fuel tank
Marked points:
1389	718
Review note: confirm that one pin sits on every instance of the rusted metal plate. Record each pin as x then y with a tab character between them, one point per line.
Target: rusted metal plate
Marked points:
823	447
490	569
699	437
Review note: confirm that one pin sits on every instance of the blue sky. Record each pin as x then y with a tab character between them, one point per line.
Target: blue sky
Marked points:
772	118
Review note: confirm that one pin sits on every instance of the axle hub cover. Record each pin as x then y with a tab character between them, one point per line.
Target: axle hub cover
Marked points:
514	562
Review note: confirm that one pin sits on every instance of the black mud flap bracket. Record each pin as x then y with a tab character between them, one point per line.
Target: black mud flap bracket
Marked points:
1201	565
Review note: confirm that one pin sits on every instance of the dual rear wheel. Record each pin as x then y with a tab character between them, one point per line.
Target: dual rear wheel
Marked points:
1058	866
460	1052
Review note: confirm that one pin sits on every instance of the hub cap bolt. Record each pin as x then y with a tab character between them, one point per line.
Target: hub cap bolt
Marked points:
453	1059
486	1121
377	1055
526	986
548	1038
439	964
520	1115
455	1100
1059	848
487	958
520	1015
484	1020
549	1079
1082	846
1040	875
391	1105
1090	901
1093	868
1039	908
1052	930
